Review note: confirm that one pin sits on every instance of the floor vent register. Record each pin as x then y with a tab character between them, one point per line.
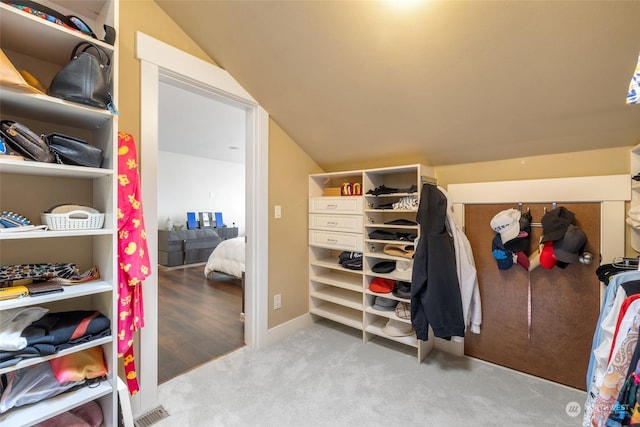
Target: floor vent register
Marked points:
151	417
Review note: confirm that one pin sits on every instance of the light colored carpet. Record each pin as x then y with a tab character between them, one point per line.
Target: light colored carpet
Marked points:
326	376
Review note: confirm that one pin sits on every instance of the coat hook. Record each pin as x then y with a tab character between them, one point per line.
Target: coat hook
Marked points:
553	205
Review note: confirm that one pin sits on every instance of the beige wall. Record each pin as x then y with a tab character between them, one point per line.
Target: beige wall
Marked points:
145	16
289	166
611	161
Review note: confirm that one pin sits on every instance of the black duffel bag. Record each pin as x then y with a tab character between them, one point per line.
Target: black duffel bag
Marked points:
73	151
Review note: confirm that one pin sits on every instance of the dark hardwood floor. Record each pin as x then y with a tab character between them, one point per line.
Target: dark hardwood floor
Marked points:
198	319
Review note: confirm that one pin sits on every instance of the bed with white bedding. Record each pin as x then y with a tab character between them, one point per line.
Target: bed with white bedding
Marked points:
227	258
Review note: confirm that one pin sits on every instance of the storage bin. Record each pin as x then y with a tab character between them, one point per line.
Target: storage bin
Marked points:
74	220
331	192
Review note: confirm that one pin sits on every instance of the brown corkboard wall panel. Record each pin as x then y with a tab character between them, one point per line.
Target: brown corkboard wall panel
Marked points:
564	302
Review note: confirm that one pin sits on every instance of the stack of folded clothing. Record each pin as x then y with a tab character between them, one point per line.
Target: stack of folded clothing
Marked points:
350	260
51	332
388	235
383	189
48	379
408	203
633	217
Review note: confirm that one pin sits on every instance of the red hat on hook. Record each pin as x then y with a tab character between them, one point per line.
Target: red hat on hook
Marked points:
547	258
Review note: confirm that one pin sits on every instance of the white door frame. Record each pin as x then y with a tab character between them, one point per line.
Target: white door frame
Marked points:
612	191
160	61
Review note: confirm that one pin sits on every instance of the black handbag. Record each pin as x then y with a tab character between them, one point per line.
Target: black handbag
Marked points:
85	79
73	151
25	142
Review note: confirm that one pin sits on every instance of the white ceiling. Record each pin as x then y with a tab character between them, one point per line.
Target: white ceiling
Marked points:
194	123
446	82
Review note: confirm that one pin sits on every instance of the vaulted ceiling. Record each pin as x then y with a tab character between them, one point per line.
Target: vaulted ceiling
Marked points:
444	82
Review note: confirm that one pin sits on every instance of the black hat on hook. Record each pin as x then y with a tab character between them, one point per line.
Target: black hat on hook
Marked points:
555	223
571	245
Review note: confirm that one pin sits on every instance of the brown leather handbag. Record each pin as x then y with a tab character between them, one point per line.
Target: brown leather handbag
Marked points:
25	142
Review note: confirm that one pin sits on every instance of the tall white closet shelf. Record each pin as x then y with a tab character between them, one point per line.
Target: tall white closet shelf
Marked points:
29	188
343	223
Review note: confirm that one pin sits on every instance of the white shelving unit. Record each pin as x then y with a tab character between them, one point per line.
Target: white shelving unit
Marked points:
335	225
343	223
30	188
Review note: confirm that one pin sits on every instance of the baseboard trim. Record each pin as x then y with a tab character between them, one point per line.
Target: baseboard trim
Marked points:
286	329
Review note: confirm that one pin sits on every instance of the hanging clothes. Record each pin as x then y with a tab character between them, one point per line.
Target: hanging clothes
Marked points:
626	410
614	355
610	325
467	272
133	255
613	283
600	409
435	291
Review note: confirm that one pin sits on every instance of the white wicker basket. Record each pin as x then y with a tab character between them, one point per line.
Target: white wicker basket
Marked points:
74	220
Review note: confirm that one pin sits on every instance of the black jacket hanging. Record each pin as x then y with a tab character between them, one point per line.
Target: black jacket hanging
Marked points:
435	292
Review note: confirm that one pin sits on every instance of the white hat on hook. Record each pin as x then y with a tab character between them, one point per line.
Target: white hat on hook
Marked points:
507	223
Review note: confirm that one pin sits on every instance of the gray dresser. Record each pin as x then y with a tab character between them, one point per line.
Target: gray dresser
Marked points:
227	232
179	247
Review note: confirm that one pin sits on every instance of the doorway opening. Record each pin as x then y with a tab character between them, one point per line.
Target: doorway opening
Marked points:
160	61
201	169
